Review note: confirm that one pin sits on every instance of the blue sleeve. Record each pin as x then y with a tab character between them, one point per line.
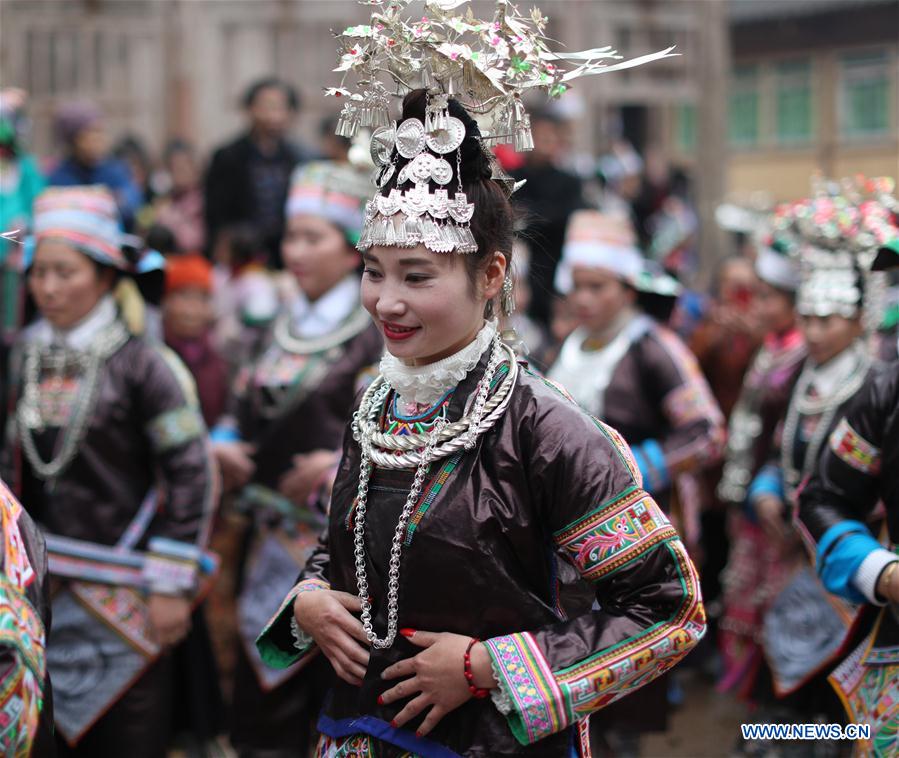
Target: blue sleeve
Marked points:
767	483
651	462
841	550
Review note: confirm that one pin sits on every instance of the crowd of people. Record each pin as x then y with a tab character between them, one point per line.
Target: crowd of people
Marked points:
206	365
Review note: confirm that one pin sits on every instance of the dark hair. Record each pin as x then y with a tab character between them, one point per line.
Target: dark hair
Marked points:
175	146
271	82
493	220
244	243
130	146
160	237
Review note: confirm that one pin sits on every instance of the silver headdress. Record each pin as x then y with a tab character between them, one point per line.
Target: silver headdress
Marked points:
486	66
835	236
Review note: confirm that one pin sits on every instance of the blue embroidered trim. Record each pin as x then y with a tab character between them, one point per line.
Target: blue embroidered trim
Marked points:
383	731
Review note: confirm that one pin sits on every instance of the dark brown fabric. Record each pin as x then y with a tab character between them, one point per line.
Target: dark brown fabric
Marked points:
483	561
99	494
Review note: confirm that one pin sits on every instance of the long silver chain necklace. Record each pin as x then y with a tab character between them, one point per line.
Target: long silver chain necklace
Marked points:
801	405
29	417
365	469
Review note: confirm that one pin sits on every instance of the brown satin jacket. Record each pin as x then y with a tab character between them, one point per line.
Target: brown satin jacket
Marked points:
479	559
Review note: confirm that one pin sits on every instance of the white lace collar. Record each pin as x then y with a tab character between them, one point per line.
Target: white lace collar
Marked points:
425	385
80	336
827	377
328	312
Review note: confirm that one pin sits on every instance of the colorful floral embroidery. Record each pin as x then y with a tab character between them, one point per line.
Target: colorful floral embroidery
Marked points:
354	746
614	534
854	450
172	429
622	668
21	687
870	694
547	701
16	565
529	682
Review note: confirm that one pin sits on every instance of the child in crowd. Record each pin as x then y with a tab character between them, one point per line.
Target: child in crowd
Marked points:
187	317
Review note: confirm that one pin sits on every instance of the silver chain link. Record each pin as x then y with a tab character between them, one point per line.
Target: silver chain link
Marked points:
365	469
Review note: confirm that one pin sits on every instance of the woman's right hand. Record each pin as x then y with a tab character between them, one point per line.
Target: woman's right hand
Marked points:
327	616
235	462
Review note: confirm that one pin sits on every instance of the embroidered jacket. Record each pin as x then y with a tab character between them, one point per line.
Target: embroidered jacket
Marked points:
858	468
479	559
24	622
144	434
760	407
657	399
289	402
756	569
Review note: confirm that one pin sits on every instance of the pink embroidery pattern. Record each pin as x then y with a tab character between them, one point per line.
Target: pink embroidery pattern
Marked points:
607	539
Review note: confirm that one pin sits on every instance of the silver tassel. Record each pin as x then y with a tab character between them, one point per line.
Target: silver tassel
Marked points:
522	137
427	76
348	122
437	113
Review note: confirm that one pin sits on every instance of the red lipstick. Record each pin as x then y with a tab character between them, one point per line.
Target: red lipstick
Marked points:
398	332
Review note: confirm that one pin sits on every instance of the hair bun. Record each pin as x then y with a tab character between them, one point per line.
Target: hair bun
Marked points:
475	163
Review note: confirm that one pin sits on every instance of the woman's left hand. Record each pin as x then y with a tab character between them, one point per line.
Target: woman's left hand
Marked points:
435	677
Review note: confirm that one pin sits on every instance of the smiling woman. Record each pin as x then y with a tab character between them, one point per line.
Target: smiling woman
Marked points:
434	595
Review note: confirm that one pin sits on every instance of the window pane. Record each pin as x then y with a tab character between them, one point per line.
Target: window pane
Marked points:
743	107
793	101
864	101
686	127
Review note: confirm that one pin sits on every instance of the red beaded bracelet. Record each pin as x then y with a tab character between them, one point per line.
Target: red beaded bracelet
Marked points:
477	692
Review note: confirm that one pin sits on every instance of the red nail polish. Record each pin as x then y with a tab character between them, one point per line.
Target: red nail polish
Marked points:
417	733
407	632
380	700
393	723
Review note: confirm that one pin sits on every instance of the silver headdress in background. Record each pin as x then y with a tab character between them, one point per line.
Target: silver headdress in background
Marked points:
834	235
486	66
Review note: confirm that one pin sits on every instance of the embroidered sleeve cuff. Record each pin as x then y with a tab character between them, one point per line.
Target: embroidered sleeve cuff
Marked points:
532	696
171	567
279	643
867	575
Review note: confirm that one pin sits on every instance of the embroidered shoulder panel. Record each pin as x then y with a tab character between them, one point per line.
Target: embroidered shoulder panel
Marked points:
854	450
174	428
614	534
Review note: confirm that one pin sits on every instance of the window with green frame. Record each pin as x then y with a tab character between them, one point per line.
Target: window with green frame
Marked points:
743	106
793	101
865	94
685	127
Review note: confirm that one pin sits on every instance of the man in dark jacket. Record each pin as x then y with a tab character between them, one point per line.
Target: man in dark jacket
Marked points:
549	196
247	179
